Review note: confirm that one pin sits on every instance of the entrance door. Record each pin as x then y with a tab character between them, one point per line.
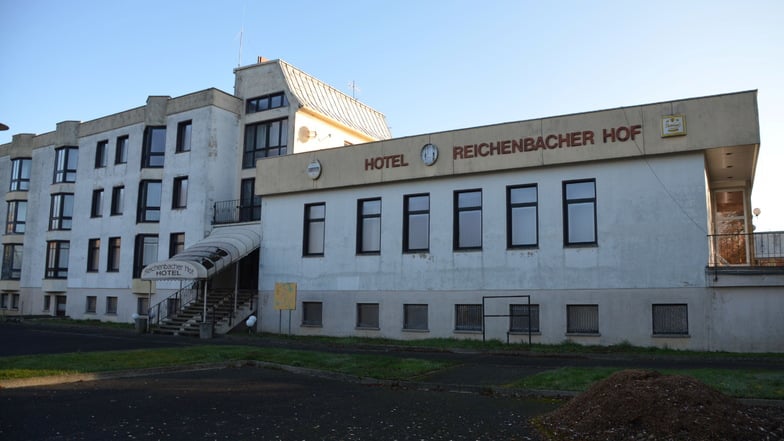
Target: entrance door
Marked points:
60	306
730	223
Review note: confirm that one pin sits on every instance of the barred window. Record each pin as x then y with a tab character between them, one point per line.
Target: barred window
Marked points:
90	304
111	305
311	313
670	319
415	317
523	316
582	319
468	317
367	315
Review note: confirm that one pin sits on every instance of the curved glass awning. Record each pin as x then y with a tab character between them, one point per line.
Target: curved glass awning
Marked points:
208	256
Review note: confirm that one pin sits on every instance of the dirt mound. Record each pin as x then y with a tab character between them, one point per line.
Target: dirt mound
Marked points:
646	405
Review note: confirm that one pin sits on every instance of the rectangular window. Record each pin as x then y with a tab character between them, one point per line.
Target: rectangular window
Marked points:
250	204
61	211
97	206
522	216
121	150
65	162
670	319
579	211
367	315
149	202
468	220
582	319
369	226
521	317
12	262
311	314
100	153
14	301
180	195
90	304
143	305
154	147
315	219
17	217
111	305
415	317
93	253
416	223
145	252
57	259
3	301
468	317
266	102
118	199
20	174
184	131
265	139
47	302
176	243
113	256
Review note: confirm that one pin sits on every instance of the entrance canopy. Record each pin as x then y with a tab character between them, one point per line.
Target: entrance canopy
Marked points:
207	257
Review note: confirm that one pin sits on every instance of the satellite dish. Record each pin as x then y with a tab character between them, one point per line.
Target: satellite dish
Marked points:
756	211
305	134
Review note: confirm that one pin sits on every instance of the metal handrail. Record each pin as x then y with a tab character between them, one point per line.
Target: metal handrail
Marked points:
173	304
236	211
747	249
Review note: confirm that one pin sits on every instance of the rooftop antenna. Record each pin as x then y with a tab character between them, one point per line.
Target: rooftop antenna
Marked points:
354	89
242	31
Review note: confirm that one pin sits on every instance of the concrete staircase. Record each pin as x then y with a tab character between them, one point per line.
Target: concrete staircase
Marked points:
220	311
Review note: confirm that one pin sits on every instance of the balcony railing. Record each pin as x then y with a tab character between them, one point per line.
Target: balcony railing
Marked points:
236	211
747	249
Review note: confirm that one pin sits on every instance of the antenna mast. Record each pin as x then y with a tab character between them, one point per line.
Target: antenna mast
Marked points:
354	89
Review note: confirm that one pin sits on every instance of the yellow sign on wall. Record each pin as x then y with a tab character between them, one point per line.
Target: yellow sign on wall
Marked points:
285	296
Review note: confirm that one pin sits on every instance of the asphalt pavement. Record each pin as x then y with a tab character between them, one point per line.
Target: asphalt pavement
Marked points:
247	402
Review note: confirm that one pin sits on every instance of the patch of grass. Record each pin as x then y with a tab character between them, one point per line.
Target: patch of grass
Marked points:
374	366
86	322
765	384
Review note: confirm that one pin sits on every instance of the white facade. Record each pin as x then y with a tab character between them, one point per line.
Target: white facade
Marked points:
653	197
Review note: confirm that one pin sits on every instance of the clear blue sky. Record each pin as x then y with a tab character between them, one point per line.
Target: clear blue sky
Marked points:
428	65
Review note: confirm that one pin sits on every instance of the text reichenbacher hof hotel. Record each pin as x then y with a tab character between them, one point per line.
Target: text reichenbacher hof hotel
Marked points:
289	200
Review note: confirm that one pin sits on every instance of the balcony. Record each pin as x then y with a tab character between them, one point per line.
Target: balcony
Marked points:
236	211
750	250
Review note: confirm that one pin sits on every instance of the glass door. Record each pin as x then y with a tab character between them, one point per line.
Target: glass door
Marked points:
730	227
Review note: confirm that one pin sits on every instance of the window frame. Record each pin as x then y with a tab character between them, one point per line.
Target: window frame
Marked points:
266	102
56	252
118	200
180	193
96	206
152	152
113	255
458	226
578	328
12	261
309	222
373	321
670	324
93	255
510	216
144	210
464	319
101	148
253	151
139	248
64	169
410	323
176	243
21	169
184	136
312	314
121	150
111	305
532	316
250	203
90	304
59	218
567	203
362	229
408	214
16	223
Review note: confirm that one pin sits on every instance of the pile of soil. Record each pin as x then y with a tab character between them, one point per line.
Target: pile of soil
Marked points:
646	405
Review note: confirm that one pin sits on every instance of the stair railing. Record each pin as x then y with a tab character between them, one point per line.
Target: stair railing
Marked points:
173	305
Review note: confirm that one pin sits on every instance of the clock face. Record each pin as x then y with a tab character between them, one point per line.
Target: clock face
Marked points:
429	154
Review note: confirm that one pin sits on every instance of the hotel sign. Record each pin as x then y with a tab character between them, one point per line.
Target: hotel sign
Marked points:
170	270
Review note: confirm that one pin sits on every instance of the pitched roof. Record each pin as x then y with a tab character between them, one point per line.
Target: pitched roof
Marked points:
326	100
